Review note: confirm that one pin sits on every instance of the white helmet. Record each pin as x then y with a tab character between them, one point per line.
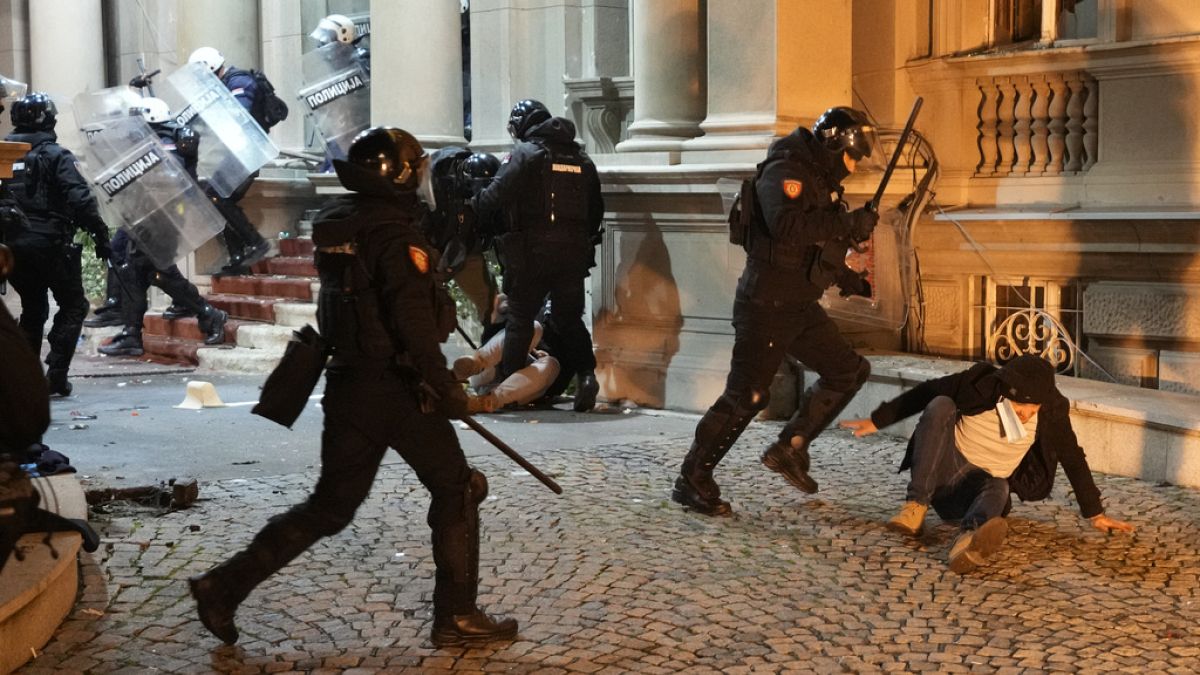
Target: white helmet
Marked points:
334	27
155	110
209	56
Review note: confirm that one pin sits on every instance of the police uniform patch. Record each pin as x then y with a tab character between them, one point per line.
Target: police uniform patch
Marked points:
420	258
792	188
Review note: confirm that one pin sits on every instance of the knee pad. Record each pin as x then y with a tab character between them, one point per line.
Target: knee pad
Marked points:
862	374
747	402
477	487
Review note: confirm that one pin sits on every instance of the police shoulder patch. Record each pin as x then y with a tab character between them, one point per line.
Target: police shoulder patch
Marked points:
792	187
419	257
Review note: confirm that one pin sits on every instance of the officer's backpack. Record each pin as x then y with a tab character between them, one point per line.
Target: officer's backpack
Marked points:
746	215
267	108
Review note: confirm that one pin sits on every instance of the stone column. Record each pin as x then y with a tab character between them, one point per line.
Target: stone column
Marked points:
14	48
66	54
283	38
780	63
420	89
668	74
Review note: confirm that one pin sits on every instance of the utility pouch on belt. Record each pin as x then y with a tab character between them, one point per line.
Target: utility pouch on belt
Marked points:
288	387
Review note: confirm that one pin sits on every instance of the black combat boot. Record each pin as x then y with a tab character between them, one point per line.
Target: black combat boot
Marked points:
108	314
695	487
586	389
788	456
175	311
215	608
126	343
456	618
56	380
212	323
716	433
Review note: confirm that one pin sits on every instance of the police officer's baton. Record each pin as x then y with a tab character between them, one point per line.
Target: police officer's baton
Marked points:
466	337
896	154
512	454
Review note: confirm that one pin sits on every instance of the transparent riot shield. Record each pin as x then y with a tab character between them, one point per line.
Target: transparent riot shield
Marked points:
234	147
11	89
336	95
143	186
888	263
93	109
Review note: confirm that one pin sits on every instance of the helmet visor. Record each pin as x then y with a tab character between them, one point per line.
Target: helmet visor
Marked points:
324	33
425	185
11	89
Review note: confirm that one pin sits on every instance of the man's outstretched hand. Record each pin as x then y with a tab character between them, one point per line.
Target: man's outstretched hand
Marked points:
860	427
1106	524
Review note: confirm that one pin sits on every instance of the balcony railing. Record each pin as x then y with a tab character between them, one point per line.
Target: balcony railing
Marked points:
1037	125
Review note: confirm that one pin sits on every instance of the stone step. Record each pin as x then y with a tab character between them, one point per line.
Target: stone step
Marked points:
245	306
239	359
296	247
297	288
171	349
293	266
263	336
188	328
295	314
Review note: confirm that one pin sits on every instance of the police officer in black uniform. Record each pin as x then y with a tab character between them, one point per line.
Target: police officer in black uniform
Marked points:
550	192
56	201
383	312
776	308
138	273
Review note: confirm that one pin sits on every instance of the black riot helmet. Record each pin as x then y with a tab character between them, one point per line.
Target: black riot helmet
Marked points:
382	160
477	171
846	130
524	116
35	112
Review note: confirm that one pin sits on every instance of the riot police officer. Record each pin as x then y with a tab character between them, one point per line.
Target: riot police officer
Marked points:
382	312
339	28
776	310
550	193
137	272
244	245
56	201
456	231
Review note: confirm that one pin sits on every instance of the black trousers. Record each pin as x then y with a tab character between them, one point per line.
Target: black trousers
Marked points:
529	280
239	232
368	410
138	274
53	269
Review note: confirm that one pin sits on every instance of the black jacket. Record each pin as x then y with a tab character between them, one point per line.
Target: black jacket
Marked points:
976	390
52	193
799	192
24	399
383	304
519	189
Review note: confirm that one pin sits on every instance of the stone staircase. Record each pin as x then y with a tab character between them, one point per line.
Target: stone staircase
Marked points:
264	307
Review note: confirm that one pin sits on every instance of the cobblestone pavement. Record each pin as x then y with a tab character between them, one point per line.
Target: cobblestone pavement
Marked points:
613	577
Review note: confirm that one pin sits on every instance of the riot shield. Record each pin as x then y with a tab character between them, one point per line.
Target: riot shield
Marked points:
888	262
336	95
148	191
93	109
11	89
234	146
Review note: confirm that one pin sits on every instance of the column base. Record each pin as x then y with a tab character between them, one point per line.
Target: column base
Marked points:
435	141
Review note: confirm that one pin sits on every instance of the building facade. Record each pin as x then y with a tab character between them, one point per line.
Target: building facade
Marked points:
1066	210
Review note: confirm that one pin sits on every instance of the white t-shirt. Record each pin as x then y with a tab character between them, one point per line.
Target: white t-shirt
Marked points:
981	439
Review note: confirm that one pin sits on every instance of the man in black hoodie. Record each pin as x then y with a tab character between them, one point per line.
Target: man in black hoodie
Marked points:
983	433
776	308
382	312
56	201
550	192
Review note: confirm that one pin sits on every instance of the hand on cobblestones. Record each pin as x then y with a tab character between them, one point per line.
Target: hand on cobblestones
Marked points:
481	404
864	427
1106	524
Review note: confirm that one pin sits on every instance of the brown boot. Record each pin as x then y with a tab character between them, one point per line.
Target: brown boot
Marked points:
474	628
910	520
973	546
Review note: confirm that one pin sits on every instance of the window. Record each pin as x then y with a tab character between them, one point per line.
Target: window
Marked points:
1076	19
1017	21
1038	316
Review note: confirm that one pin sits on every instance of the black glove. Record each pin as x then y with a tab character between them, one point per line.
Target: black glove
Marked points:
103	251
452	401
853	283
862	224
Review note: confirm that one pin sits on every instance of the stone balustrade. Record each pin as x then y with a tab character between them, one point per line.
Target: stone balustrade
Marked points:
1037	124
